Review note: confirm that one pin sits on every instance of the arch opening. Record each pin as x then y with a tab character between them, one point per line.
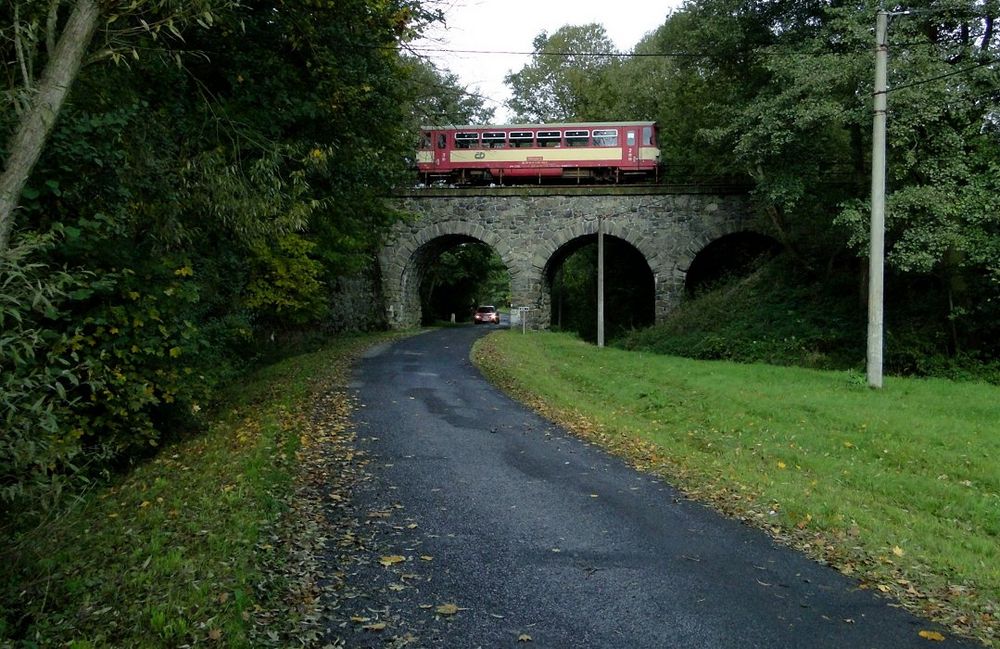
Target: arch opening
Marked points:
629	287
729	257
453	274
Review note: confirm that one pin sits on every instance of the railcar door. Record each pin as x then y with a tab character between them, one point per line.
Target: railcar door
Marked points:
631	147
441	149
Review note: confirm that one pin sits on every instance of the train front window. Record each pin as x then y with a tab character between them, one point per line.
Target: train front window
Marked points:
522	139
606	138
577	138
466	140
630	138
442	141
494	140
647	136
425	141
549	138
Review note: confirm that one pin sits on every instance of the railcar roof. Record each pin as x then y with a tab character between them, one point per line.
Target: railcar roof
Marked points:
483	127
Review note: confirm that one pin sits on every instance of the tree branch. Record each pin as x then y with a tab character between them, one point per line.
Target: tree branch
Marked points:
51	24
36	124
26	73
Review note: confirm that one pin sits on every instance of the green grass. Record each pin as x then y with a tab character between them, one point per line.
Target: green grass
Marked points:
900	487
177	551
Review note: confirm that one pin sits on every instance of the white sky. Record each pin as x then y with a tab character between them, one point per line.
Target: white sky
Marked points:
511	25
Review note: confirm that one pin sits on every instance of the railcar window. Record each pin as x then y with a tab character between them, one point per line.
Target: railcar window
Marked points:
647	136
442	141
577	138
425	141
494	140
605	138
466	140
549	138
520	139
630	138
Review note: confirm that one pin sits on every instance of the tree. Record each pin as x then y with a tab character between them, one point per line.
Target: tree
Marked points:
780	92
565	79
437	97
40	102
179	227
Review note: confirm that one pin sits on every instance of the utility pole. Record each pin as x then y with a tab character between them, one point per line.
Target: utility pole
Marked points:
600	281
876	255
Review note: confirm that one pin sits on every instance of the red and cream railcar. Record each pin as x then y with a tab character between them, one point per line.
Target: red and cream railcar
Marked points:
595	151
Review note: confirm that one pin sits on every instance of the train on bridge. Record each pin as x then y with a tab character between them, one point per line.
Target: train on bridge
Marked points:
610	152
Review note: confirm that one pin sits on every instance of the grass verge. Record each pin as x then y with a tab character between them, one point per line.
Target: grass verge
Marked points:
185	549
899	488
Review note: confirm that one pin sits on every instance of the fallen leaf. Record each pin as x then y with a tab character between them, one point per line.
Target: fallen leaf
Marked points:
391	559
377	626
426	557
446	609
931	635
359	619
524	637
898	551
215	634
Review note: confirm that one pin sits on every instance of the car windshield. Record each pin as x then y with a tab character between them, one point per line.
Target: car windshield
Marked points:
486	309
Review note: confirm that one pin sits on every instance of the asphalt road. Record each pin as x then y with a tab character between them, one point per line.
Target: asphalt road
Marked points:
531	532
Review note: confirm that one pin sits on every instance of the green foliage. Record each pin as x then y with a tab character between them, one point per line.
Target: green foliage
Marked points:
778	94
569	85
184	225
778	314
437	96
94	364
191	532
35	382
285	283
628	291
461	278
764	317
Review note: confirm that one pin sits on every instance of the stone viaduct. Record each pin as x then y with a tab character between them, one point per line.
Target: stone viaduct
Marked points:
534	228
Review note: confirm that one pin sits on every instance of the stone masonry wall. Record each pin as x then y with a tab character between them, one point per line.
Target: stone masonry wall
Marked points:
529	228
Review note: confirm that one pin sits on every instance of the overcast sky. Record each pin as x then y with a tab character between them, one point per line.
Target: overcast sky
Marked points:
511	25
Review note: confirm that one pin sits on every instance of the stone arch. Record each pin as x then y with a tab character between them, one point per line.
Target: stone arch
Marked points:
701	240
563	242
619	229
404	261
735	251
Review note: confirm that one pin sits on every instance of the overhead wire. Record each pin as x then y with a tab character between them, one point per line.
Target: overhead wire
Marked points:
952	73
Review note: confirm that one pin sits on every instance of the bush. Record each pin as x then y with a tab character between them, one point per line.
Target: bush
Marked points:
91	366
781	316
35	382
762	318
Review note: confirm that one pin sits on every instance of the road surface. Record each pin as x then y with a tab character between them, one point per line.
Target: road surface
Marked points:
541	540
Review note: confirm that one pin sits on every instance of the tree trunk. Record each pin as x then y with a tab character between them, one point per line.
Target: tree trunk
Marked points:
36	124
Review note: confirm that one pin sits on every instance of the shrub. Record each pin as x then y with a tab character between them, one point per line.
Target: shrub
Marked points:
91	365
35	383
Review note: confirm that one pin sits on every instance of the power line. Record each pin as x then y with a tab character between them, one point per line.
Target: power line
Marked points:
444	50
945	75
